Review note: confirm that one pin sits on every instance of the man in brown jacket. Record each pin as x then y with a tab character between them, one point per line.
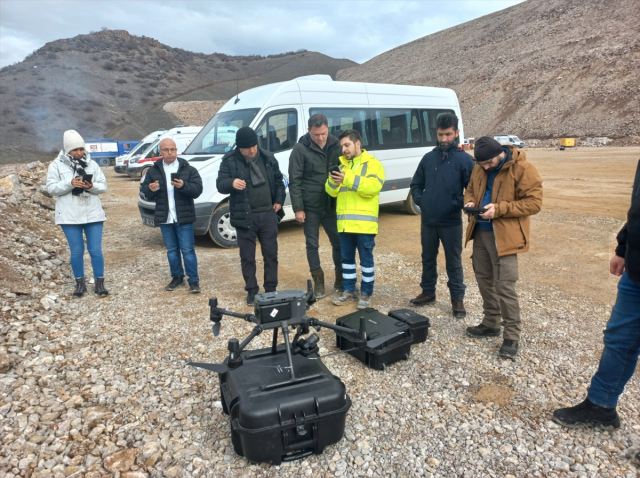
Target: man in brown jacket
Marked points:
510	190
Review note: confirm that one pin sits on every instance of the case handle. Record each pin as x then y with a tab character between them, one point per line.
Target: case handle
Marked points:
297	456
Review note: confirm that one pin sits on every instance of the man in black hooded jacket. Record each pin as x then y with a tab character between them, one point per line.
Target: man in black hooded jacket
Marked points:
621	336
252	178
309	165
438	188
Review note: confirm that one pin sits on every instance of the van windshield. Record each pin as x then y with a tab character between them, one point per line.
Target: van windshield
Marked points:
219	135
140	147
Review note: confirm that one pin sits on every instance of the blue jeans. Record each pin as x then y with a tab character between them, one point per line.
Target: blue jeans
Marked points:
364	243
93	231
621	346
179	238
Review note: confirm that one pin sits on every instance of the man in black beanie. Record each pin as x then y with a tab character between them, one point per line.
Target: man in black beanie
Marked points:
510	190
253	180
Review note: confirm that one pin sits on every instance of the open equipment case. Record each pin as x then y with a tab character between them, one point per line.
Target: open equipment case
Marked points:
282	401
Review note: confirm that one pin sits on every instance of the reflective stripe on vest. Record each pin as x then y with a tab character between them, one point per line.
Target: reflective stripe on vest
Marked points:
357	217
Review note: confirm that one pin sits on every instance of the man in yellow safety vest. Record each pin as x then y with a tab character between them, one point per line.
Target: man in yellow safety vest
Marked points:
356	184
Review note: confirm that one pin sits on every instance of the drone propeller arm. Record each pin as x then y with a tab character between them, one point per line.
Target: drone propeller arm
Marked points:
257	330
313	322
247	317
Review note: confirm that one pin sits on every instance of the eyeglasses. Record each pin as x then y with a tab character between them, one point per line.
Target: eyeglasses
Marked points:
169	150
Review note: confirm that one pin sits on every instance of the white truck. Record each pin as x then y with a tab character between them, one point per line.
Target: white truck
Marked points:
511	139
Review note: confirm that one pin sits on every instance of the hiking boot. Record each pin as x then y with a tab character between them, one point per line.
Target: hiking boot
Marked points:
364	302
81	288
100	289
345	298
194	287
509	349
337	284
251	297
318	282
423	299
457	306
636	459
482	331
587	414
176	281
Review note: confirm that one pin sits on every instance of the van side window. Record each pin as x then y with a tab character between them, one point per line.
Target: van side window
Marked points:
278	131
396	128
429	120
341	119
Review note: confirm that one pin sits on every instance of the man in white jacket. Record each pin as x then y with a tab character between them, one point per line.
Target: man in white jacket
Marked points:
76	181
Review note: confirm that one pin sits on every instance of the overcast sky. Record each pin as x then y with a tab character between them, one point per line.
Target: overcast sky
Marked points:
358	30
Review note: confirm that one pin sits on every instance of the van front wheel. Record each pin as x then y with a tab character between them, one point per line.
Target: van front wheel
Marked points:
220	229
410	205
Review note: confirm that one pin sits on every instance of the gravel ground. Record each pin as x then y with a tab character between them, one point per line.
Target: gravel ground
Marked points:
92	388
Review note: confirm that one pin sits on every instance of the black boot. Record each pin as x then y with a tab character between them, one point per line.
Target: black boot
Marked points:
100	288
318	282
587	414
337	284
81	288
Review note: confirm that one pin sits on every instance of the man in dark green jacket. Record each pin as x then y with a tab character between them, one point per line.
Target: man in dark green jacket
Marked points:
309	165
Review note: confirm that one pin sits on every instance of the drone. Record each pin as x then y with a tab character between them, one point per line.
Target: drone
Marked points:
280	311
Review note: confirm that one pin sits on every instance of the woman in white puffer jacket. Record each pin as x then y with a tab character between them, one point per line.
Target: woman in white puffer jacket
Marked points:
76	181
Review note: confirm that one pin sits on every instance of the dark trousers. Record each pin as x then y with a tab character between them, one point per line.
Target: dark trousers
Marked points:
451	238
264	227
496	277
312	223
364	244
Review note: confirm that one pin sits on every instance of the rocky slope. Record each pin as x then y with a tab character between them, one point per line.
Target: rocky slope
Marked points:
541	69
111	83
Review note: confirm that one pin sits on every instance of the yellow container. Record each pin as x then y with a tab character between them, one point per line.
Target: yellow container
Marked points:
567	142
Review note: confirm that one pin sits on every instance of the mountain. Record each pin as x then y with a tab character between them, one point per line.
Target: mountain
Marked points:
113	84
540	69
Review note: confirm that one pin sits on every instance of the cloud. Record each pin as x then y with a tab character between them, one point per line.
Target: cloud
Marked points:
357	30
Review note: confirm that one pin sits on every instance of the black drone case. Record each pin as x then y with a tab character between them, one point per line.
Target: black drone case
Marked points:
272	421
388	339
419	323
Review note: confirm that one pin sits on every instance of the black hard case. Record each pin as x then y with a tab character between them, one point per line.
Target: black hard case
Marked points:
419	323
391	338
286	422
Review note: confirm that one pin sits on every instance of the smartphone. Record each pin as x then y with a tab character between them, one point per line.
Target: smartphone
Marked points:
174	176
87	178
334	169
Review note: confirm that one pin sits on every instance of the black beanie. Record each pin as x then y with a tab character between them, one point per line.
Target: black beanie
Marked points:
246	137
486	148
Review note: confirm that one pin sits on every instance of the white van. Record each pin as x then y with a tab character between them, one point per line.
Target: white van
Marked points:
397	124
122	161
509	139
182	135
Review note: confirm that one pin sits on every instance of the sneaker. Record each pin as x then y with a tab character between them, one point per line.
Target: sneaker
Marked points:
423	299
509	349
251	297
482	331
194	287
364	302
587	414
457	306
176	282
345	298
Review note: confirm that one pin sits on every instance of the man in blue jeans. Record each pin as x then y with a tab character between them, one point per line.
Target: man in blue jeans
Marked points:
356	185
622	335
174	184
